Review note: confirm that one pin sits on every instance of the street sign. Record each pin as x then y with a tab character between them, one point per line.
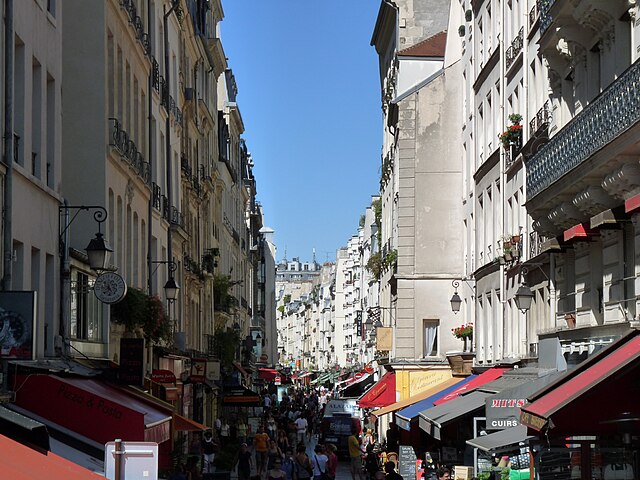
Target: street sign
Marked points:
277	380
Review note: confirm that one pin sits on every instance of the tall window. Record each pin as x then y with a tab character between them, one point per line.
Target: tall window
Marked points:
430	329
86	309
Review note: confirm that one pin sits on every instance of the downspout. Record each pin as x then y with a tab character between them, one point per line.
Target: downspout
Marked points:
8	145
168	156
150	137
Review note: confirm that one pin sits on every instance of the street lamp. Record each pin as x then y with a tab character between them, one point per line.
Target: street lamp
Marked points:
455	301
171	288
98	249
524	295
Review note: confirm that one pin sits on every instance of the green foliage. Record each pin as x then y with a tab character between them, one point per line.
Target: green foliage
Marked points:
286	299
224	301
225	343
139	310
374	265
390	259
377	210
281	308
362	220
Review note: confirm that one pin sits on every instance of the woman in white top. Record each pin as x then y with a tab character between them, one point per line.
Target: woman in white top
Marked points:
319	461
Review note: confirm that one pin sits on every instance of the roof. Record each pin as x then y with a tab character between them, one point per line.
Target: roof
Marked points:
431	47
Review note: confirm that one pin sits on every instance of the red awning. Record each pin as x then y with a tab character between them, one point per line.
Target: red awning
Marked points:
19	462
184	424
383	393
268	374
92	408
579	387
486	377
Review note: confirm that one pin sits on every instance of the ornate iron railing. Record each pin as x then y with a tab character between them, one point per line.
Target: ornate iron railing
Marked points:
185	167
545	17
514	49
541	119
613	112
535	244
156	193
155	74
533	14
165	208
136	22
128	151
177	217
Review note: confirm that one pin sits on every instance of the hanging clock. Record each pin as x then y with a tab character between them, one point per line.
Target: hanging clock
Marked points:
110	288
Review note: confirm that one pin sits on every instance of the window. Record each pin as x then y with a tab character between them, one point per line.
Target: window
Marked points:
430	329
86	309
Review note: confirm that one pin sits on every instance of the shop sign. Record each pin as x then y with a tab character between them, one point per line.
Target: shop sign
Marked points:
163	376
277	380
17	318
384	339
198	370
533	421
131	361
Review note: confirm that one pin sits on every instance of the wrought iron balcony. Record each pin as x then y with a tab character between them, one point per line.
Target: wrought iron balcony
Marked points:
541	120
136	22
535	244
534	13
156	193
545	17
613	112
185	167
514	50
128	151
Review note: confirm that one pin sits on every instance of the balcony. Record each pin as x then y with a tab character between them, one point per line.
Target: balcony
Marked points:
541	120
514	50
126	147
534	14
136	22
611	114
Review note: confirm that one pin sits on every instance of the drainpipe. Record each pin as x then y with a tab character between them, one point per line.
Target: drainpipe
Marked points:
168	156
150	137
8	145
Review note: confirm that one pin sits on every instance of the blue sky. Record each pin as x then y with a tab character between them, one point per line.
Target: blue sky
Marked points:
308	92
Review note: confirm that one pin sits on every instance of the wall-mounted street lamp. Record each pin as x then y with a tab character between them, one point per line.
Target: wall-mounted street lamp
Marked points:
524	295
455	301
98	249
171	288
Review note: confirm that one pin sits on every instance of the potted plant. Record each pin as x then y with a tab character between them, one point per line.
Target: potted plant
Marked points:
461	30
468	15
515	238
464	332
512	136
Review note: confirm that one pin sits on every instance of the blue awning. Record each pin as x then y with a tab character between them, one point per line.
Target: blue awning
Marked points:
403	417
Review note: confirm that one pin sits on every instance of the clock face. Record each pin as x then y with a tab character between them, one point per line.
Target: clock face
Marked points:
110	288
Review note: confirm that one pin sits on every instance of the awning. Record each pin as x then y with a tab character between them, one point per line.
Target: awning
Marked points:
184	424
449	383
592	382
76	456
323	377
240	368
100	412
23	429
383	393
268	374
357	388
240	397
406	415
482	379
500	439
433	419
21	463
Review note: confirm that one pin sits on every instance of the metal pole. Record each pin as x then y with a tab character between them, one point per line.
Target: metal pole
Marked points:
151	162
167	79
119	453
8	145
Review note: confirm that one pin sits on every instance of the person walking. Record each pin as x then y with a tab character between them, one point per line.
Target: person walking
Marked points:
288	465
261	446
209	450
319	463
355	455
332	463
301	430
443	474
275	472
244	463
303	468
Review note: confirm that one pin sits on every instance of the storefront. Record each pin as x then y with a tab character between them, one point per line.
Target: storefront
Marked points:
586	423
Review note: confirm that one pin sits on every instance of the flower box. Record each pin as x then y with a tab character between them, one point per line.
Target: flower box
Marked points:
461	363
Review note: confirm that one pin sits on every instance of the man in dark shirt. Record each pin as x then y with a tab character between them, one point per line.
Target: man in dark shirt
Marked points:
390	468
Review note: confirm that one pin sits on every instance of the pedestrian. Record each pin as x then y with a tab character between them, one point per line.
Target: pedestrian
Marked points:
273	453
288	466
224	431
390	468
192	470
301	430
332	463
275	472
242	431
261	446
244	463
319	463
217	425
371	461
209	450
355	454
443	474
303	468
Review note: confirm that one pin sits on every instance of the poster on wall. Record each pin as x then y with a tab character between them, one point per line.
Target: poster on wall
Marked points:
17	320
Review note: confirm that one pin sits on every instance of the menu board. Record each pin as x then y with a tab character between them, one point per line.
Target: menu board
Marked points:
407	462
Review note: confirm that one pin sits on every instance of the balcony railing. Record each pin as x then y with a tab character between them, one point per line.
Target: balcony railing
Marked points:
128	151
136	22
535	244
514	49
613	112
541	120
545	17
534	14
156	193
